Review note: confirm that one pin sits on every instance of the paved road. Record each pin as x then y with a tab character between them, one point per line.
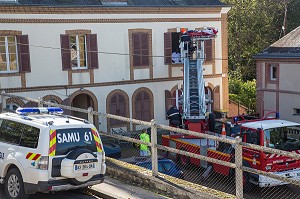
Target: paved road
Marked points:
61	195
109	189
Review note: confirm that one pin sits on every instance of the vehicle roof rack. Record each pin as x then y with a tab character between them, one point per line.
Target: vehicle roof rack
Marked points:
72	117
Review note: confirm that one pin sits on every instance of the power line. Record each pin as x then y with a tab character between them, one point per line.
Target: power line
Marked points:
126	54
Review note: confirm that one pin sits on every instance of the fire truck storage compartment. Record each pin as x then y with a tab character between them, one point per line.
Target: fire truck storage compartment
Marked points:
204	144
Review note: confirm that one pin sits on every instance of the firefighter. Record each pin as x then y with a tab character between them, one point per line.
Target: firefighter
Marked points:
144	151
174	117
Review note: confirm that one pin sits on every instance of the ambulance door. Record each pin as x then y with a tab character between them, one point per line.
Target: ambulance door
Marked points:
252	156
10	137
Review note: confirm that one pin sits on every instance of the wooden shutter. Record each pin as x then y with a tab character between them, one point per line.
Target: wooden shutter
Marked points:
65	52
145	49
146	107
92	54
23	53
136	49
216	98
168	100
208	49
140	49
168	47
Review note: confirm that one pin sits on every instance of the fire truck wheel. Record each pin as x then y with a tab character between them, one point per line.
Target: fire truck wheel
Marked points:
247	185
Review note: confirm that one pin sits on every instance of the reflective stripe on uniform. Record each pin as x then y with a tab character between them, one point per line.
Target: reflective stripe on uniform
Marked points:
173	114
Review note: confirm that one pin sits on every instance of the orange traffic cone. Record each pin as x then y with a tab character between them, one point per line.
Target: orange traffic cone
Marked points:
223	133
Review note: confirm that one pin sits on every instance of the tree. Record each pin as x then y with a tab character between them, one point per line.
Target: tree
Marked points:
242	91
253	26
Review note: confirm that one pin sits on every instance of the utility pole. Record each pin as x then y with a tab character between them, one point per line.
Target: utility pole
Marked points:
283	29
285	17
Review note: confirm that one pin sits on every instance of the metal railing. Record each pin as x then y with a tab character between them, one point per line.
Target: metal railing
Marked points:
157	149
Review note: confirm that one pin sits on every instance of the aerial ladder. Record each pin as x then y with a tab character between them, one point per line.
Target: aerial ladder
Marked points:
193	56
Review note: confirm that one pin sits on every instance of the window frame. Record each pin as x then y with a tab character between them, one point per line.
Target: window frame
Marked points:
272	73
296	111
91	51
131	32
77	44
7	54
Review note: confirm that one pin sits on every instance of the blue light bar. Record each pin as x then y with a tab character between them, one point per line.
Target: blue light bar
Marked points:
24	111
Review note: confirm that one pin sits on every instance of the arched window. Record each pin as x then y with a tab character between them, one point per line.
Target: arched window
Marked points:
142	106
117	106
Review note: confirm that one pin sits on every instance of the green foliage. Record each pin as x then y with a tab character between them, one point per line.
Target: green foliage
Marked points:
242	91
253	25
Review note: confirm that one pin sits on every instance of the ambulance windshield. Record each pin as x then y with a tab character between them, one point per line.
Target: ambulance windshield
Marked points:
70	139
283	138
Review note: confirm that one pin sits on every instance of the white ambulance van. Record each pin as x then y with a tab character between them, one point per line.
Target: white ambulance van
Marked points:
42	150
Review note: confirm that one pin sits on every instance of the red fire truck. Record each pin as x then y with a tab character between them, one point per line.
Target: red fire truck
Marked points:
269	132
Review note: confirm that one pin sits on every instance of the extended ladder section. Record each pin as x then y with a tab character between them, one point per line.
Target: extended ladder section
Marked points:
192	52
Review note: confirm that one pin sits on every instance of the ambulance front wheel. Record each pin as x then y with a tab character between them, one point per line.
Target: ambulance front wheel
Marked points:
14	186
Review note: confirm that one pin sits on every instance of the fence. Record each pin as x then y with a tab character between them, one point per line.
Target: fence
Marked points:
175	144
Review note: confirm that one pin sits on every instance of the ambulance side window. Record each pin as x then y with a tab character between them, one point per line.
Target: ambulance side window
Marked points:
1	121
30	136
10	132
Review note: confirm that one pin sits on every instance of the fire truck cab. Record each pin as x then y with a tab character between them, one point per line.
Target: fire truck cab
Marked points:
277	134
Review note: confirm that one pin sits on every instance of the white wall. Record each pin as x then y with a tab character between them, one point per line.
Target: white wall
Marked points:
46	69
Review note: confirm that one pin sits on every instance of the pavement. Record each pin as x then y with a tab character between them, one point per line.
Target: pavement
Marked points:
115	189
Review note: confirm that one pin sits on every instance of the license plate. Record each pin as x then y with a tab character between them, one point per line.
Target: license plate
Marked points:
79	167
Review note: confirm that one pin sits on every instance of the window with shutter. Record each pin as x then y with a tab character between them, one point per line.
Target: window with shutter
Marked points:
208	50
168	47
79	50
141	56
171	46
14	54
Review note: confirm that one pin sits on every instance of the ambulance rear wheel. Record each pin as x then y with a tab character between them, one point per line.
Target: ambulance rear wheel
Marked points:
14	186
73	156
